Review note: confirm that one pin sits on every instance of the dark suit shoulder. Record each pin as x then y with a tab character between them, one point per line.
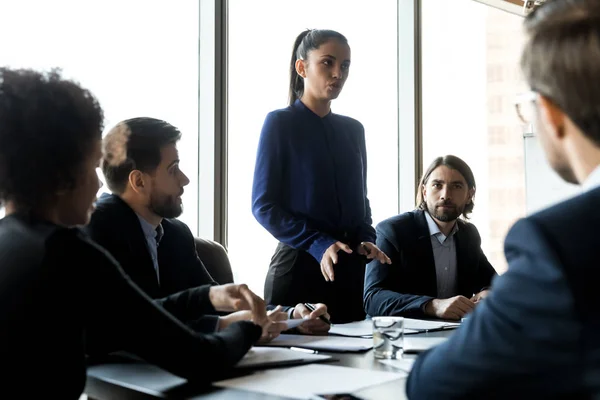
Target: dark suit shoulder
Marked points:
110	204
173	226
564	236
107	207
401	224
579	213
468	229
568	228
112	216
100	220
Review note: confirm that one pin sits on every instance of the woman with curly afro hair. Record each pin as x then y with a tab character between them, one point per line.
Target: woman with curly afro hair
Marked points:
55	283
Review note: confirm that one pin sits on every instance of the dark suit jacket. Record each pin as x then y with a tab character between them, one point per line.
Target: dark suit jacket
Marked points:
116	227
403	287
56	284
537	335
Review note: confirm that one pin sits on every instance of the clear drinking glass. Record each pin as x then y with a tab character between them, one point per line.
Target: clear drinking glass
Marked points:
388	337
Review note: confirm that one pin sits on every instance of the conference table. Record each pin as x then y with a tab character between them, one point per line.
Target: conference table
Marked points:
123	378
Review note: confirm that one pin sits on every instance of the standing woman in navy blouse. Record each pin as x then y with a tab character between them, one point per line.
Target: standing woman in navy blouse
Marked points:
310	186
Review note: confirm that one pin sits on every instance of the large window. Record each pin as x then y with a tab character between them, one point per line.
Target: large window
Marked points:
139	57
470	79
261	35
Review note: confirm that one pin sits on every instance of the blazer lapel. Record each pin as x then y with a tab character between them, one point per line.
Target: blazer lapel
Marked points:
141	261
425	251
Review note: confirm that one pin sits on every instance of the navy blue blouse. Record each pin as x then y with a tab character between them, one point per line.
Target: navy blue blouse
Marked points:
310	179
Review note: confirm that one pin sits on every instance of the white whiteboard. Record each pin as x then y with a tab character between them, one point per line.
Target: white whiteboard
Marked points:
542	185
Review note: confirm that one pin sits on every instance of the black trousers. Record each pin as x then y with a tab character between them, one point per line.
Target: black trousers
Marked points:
295	277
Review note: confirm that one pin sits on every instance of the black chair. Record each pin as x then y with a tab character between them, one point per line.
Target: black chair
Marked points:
215	259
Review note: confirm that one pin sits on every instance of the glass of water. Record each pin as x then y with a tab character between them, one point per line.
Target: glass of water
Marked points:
388	337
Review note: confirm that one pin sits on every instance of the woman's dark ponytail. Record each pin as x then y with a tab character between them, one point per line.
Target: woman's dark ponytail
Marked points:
296	81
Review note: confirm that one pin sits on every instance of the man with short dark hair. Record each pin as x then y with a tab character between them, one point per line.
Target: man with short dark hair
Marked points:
536	334
137	224
438	268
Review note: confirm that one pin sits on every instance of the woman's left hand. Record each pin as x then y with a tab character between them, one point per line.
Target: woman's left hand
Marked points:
371	251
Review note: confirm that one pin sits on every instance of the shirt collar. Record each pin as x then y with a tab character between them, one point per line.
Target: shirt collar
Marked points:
301	106
149	230
593	180
434	229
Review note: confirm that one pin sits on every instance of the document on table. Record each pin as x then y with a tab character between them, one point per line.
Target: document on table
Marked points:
305	381
274	357
422	325
365	328
325	343
353	329
403	364
292	323
417	344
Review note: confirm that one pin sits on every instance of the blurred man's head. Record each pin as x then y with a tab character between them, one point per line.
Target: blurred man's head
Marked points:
561	63
141	165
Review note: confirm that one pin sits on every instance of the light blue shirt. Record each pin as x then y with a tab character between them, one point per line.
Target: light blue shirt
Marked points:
444	256
593	180
153	237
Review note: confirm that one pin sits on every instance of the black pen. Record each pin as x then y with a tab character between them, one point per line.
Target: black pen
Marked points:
439	329
321	317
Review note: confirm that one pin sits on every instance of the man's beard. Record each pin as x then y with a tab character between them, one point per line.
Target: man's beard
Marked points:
165	206
445	215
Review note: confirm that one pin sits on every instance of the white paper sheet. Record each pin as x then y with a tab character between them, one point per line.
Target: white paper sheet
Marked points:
266	356
417	344
353	329
331	343
365	328
292	323
304	381
403	364
421	324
